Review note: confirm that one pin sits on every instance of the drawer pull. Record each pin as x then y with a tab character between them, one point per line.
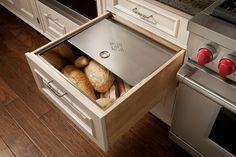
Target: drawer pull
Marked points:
55	91
149	18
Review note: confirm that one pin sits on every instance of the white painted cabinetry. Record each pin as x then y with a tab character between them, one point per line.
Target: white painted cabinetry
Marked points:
54	24
24	9
164	21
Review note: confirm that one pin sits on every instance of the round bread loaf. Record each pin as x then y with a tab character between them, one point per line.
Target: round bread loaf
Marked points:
100	78
81	62
66	52
68	69
56	60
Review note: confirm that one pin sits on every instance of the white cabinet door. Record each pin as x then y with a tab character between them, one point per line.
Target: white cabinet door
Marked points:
10	3
55	25
28	9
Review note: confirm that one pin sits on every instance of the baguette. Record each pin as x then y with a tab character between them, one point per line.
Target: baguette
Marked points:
81	80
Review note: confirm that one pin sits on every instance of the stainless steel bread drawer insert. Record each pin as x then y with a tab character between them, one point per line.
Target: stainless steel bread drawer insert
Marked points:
127	52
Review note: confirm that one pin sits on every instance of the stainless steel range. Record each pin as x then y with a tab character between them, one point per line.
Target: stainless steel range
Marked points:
204	120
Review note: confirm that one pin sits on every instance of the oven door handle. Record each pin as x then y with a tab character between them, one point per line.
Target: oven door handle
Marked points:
185	78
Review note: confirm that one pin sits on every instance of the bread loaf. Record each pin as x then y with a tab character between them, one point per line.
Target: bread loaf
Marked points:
68	69
104	102
81	80
65	51
81	62
56	60
100	78
122	87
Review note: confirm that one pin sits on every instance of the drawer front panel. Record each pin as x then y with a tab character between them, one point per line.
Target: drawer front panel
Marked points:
55	24
159	20
65	101
153	18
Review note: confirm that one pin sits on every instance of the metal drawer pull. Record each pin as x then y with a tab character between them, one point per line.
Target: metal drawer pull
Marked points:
55	91
149	18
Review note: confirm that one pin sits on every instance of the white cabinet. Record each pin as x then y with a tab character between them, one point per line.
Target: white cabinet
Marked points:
41	17
55	24
25	10
159	19
28	10
10	3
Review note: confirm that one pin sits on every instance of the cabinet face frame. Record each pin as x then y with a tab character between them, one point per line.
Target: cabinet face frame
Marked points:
108	124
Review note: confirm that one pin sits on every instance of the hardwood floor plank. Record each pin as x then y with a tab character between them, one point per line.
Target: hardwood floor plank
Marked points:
61	127
159	144
17	38
15	138
4	150
21	81
47	143
6	94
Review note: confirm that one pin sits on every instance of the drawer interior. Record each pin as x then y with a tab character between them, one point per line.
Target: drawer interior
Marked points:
99	78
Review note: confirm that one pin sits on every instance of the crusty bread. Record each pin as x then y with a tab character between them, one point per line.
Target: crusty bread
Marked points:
81	80
56	60
65	51
104	102
81	62
100	78
68	69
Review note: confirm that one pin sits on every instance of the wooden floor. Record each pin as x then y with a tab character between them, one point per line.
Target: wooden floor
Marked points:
31	127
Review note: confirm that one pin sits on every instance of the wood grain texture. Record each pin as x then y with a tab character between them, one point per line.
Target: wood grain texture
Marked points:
62	127
19	78
48	144
15	138
6	94
4	150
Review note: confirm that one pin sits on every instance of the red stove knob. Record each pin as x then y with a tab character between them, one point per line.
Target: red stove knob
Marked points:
226	67
204	56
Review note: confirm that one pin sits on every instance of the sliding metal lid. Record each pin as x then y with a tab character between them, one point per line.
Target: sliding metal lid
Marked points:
126	53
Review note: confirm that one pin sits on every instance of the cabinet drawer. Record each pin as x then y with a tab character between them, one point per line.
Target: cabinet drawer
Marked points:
160	21
55	24
104	125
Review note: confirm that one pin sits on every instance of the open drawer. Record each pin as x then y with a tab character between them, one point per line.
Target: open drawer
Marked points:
105	124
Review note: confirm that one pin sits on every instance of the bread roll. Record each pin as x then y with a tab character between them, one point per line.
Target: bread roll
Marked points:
68	69
66	52
81	80
56	60
100	78
104	102
81	62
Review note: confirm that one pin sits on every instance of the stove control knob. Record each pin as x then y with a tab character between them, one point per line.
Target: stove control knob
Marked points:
226	67
204	56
